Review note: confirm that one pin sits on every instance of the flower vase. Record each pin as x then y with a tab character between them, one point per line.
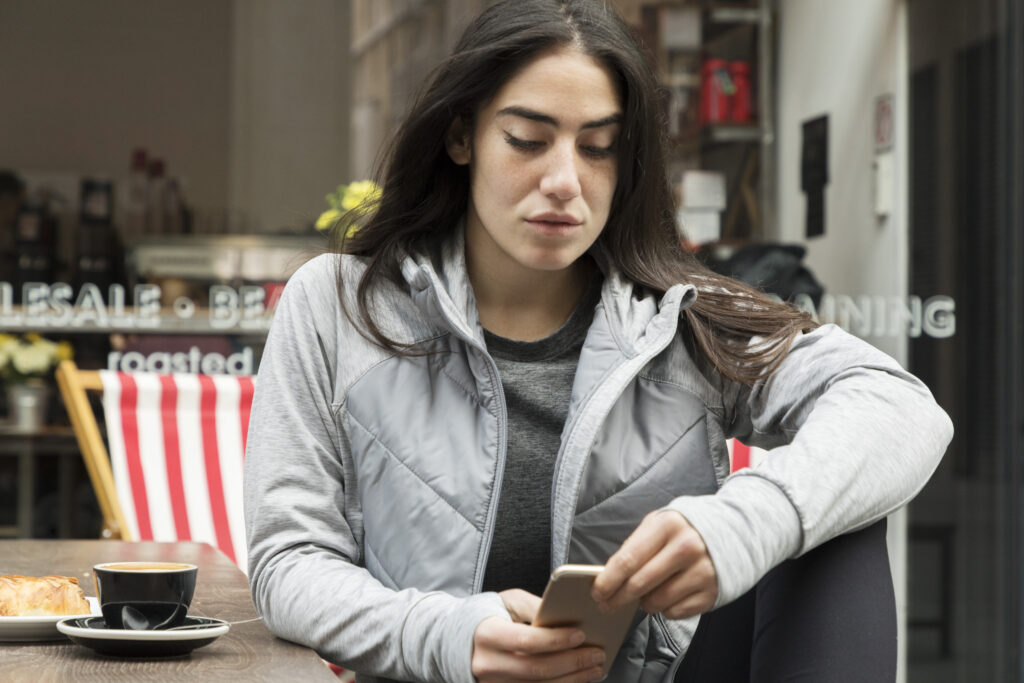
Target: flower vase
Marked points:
27	403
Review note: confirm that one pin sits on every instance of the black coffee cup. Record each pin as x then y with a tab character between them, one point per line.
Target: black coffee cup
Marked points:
144	595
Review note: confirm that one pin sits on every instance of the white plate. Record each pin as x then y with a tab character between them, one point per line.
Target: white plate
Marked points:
38	628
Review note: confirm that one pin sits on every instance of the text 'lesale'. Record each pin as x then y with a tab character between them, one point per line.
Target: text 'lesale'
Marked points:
57	305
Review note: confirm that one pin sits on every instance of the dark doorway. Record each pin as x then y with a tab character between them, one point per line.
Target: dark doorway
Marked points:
967	241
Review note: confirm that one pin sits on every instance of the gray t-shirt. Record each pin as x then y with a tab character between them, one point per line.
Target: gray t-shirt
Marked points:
537	378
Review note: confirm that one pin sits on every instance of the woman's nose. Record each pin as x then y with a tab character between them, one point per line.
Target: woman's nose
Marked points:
561	178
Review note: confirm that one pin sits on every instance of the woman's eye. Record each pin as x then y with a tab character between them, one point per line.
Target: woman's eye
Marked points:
598	152
523	144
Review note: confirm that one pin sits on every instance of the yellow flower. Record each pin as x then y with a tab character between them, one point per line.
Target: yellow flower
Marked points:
65	351
328	219
359	194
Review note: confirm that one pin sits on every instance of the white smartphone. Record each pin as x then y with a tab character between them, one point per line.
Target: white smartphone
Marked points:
567	602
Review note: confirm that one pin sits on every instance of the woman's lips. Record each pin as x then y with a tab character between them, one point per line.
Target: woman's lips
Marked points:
554	223
555	217
553	228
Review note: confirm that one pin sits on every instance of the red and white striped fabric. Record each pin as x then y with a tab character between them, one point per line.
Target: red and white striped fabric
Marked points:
176	446
741	455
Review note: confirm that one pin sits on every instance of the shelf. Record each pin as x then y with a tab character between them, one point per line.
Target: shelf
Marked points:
725	38
683	80
734	15
744	153
697	137
221	258
725	133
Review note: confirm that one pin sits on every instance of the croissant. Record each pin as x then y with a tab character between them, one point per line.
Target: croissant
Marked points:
41	596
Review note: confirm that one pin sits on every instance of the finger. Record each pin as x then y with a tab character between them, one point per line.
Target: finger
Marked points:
691	606
699	578
660	528
570	664
684	555
677	589
522	606
645	541
508	636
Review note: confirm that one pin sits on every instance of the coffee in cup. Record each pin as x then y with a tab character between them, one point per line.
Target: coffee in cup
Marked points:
144	595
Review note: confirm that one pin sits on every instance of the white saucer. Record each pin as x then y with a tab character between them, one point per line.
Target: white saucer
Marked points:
92	632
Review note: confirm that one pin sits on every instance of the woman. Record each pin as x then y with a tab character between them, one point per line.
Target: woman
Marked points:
515	365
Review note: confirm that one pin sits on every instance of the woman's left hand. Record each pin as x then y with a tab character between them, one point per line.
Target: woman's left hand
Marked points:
665	564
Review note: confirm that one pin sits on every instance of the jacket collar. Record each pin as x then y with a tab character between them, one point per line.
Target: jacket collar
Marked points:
439	286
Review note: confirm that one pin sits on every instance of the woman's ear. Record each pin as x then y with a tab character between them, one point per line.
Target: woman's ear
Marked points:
456	141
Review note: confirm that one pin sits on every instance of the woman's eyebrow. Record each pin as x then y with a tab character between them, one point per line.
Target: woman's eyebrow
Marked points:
552	121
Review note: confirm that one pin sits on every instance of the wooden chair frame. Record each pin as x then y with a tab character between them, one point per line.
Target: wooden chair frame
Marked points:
74	384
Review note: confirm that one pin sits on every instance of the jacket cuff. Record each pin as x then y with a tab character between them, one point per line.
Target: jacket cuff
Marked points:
441	649
749	526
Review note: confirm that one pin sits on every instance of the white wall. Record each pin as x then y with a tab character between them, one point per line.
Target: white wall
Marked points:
835	58
246	100
83	83
290	110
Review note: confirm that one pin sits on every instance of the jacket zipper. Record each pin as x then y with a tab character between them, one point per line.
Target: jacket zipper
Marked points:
499	392
499	477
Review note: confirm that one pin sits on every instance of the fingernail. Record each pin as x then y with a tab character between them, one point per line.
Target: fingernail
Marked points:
597	658
596	675
577	638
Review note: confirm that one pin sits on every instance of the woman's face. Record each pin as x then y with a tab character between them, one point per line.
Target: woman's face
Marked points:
542	164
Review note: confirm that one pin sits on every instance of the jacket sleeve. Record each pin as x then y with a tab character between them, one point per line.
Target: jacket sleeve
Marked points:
301	511
853	437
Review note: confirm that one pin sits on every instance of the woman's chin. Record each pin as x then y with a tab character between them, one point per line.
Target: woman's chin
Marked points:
550	262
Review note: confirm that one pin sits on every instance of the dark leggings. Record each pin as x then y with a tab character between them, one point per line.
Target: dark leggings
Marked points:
829	616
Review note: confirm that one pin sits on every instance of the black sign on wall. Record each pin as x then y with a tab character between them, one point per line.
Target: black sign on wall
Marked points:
814	173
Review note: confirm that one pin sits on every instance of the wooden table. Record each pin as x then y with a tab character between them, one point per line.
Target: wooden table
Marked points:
247	652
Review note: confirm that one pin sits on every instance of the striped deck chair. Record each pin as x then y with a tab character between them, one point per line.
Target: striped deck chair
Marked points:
176	443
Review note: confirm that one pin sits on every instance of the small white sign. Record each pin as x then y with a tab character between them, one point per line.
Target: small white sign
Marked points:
885	184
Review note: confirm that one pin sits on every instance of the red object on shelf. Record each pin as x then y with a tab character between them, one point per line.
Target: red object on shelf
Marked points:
139	159
740	111
714	95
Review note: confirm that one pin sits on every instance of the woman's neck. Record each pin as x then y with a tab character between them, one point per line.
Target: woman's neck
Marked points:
518	303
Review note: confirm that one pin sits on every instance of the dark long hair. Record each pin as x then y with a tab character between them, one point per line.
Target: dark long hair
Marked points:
424	193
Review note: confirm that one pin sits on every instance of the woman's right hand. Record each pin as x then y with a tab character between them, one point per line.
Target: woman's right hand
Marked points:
516	651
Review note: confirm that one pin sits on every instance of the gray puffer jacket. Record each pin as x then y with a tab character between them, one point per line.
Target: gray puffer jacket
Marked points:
372	479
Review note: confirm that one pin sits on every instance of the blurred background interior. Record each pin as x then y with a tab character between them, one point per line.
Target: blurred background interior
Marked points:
163	165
